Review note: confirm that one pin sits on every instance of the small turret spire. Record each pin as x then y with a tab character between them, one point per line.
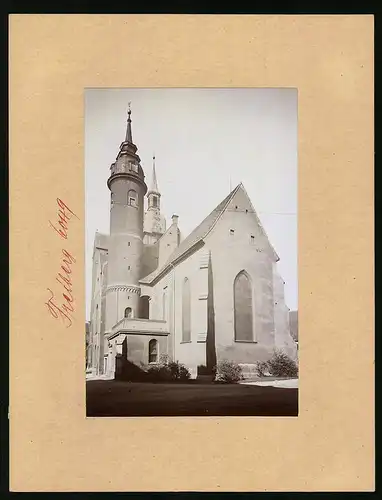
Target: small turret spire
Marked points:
129	137
154	182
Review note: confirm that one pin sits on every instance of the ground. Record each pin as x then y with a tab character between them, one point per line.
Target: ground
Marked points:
108	398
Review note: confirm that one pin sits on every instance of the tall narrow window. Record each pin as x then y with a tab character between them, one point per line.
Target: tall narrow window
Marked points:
153	351
164	306
97	319
155	201
132	198
128	312
243	314
186	311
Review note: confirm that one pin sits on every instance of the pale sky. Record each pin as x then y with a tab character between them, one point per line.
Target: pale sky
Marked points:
206	141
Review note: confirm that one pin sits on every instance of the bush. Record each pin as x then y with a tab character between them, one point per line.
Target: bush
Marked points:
168	372
158	373
281	365
262	368
228	372
164	359
178	371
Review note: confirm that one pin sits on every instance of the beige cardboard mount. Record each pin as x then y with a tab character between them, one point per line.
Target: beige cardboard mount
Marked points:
330	446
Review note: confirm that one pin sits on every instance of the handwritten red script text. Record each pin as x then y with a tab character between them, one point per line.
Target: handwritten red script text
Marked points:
61	305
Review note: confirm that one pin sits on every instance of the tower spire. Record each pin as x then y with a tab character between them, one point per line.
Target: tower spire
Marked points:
155	223
129	137
154	182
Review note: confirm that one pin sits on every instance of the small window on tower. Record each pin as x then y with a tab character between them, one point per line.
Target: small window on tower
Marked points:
128	243
231	232
132	198
252	239
155	201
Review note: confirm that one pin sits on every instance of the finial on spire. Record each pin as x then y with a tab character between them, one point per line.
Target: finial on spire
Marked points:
129	137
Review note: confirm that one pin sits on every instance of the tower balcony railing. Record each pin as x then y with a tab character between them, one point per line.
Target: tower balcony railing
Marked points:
141	326
124	168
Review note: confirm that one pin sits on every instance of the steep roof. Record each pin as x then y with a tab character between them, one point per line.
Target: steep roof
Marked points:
262	230
200	232
196	236
154	183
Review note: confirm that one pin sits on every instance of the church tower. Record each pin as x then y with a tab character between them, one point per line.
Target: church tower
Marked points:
155	223
128	188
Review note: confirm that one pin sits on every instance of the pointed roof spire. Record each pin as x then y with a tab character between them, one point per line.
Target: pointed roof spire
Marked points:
129	137
154	182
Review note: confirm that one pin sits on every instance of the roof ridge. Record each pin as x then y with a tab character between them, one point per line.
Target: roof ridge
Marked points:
228	199
264	233
192	238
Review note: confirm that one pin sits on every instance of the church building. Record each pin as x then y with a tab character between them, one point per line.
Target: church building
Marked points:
213	295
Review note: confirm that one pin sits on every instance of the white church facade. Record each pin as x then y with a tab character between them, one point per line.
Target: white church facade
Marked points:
214	295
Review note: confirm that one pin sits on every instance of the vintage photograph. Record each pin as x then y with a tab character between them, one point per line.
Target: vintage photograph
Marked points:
191	252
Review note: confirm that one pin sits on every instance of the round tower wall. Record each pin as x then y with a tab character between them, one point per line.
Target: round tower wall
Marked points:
126	215
125	253
121	302
125	249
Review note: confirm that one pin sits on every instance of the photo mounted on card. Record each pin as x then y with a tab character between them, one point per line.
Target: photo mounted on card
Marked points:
186	302
191	250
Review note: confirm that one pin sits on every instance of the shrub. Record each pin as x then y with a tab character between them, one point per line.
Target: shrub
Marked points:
281	365
178	371
228	372
158	373
262	368
164	359
170	372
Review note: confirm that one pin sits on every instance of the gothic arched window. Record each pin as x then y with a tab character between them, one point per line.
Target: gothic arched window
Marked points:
132	198
128	312
153	351
186	311
155	201
243	313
